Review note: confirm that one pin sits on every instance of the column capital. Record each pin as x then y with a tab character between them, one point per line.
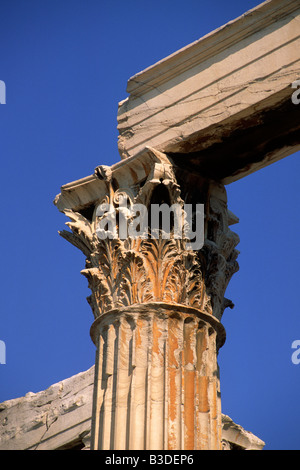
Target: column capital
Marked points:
123	272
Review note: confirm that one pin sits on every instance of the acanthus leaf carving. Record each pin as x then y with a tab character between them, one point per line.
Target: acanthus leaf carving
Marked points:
124	272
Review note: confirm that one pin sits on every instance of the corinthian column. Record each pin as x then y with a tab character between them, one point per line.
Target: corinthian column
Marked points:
157	306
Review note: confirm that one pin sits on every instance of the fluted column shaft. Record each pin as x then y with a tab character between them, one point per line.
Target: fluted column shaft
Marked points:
156	379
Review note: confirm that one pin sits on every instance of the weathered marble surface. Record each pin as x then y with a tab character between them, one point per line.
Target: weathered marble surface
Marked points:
59	417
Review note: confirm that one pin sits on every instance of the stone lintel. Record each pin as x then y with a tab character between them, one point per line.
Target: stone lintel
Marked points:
221	105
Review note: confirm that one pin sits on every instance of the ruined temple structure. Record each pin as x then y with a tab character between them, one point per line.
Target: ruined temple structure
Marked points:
202	118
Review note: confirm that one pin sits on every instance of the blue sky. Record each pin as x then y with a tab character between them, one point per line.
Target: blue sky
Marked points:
66	66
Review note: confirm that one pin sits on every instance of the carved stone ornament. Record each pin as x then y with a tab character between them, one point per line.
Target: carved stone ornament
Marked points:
124	272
